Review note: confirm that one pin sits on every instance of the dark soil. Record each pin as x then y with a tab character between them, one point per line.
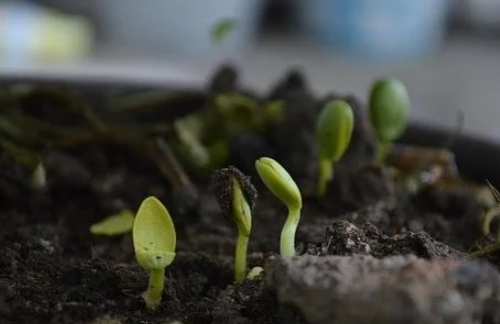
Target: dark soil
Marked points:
52	270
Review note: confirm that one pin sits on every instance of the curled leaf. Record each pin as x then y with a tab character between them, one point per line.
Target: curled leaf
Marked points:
154	235
279	182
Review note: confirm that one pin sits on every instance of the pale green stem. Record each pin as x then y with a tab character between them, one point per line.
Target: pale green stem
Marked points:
152	296
240	257
325	175
287	245
383	149
485	250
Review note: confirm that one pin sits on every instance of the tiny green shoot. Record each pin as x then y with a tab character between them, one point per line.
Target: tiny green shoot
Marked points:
333	134
255	273
281	184
493	212
488	217
117	224
154	244
222	29
389	108
39	177
236	197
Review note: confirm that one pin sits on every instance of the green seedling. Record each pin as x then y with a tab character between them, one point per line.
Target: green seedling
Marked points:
154	244
255	273
281	184
222	29
389	111
333	134
39	177
236	197
488	218
118	224
492	213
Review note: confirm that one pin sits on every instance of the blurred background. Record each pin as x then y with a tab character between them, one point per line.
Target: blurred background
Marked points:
447	52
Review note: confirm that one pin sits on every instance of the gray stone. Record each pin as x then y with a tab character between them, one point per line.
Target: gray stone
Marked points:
401	289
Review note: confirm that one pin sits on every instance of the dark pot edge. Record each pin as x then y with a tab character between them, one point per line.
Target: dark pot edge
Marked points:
476	156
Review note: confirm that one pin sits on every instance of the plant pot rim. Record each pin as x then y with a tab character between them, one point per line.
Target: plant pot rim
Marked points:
476	156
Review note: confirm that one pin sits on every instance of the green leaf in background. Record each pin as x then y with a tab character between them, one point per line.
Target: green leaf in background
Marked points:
221	29
118	224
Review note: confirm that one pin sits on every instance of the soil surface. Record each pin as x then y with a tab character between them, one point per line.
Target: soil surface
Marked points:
52	270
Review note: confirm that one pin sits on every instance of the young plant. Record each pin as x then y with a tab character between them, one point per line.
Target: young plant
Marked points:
389	111
281	184
154	244
222	29
492	213
236	197
333	134
118	224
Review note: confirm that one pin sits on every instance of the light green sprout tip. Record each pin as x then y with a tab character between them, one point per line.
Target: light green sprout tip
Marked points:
236	197
281	184
333	135
154	244
118	224
389	111
255	273
222	29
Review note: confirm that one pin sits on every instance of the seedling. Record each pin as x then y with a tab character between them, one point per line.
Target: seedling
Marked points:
489	216
389	111
39	177
154	244
222	29
281	184
333	134
493	212
118	224
236	197
255	273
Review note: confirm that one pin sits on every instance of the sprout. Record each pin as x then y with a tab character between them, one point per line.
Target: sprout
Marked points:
154	244
236	197
493	212
333	134
389	110
118	224
281	184
255	273
221	29
39	177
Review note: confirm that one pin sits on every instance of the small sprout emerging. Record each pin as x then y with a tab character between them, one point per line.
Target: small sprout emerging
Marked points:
154	244
236	197
488	217
389	111
255	273
493	212
39	177
281	184
118	224
221	29
333	134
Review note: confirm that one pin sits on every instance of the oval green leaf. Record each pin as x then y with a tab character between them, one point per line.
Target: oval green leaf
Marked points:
154	235
389	109
118	224
221	29
279	182
334	130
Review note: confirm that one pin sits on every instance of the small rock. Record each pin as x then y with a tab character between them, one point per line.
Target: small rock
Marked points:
401	289
345	238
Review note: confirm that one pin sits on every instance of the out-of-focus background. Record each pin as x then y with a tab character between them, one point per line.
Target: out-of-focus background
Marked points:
447	52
